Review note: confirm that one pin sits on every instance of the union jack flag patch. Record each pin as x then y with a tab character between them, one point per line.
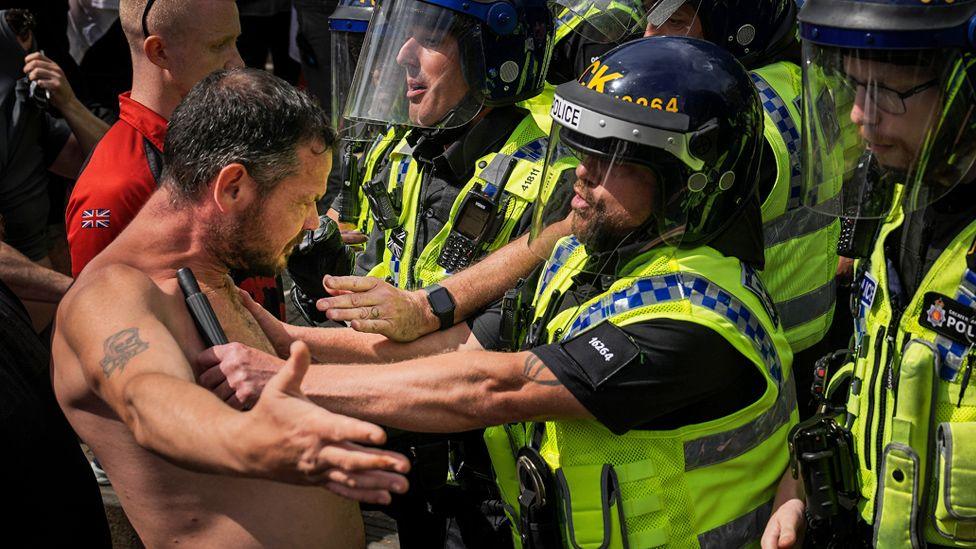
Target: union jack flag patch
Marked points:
95	219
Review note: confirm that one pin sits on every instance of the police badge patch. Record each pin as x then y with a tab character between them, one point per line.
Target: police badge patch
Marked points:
948	317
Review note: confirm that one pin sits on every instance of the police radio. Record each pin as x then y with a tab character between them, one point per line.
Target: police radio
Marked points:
471	228
385	212
348	205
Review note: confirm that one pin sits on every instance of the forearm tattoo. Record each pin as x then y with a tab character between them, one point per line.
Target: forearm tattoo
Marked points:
533	369
120	348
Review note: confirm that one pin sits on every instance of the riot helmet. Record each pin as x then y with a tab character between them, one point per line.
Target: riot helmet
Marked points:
437	63
888	103
667	132
347	30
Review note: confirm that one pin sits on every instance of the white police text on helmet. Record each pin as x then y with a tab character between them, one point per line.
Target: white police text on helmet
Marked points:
565	112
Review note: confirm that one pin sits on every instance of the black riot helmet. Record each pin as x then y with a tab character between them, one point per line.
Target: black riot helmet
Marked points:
683	110
756	32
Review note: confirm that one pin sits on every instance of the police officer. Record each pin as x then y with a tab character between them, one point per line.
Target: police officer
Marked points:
899	77
460	183
653	367
762	36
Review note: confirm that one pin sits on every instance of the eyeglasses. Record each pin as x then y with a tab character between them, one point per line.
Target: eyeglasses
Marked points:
145	15
889	100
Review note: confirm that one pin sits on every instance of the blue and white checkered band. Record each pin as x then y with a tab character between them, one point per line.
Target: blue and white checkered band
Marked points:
953	352
533	151
402	167
752	282
564	248
776	109
676	287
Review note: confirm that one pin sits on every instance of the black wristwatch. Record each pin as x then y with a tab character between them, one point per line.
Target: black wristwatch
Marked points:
442	304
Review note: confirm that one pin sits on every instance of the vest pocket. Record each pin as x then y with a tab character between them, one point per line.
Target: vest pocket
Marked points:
594	510
955	506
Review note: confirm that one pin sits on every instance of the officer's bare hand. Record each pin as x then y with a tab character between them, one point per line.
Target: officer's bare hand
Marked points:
290	439
785	527
49	76
374	306
236	373
276	331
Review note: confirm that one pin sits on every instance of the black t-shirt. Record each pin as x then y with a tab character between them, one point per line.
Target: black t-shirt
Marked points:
30	141
54	498
684	372
447	161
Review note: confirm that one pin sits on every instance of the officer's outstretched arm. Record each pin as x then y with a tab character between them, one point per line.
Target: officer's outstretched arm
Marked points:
373	306
345	345
445	393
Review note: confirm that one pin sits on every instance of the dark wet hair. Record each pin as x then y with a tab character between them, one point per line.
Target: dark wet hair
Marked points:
245	116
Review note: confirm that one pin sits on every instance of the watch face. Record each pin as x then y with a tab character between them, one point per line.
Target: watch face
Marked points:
440	301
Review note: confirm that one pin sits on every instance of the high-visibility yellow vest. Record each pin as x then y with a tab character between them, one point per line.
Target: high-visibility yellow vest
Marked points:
702	485
915	438
801	244
516	169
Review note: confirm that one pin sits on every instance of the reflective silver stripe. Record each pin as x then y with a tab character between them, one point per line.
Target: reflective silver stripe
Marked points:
794	224
806	307
498	170
739	532
719	447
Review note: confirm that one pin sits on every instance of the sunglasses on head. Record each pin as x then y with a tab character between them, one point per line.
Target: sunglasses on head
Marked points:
145	15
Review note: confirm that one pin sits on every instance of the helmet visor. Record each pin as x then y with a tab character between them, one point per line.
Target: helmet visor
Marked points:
421	65
877	119
609	195
602	21
346	48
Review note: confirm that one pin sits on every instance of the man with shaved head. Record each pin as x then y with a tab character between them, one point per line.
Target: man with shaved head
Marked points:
174	44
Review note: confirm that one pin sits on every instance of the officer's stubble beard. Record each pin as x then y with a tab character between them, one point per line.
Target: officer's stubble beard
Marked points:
599	232
240	245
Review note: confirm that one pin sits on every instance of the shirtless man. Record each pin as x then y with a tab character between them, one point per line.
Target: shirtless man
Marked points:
246	160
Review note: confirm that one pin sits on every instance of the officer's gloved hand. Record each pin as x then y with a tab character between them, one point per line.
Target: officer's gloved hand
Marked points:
321	252
306	306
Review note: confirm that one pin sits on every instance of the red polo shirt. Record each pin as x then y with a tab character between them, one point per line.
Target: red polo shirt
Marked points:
115	182
120	175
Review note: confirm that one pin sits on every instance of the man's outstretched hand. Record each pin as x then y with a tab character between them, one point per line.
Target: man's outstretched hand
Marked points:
373	306
290	439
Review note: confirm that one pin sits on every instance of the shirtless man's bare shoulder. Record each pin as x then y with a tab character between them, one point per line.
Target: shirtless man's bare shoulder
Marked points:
122	376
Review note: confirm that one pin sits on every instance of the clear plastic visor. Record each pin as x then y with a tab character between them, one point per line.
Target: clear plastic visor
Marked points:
875	120
603	21
667	18
600	193
421	65
346	49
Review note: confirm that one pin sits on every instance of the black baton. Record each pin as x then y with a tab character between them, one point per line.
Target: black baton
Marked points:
203	314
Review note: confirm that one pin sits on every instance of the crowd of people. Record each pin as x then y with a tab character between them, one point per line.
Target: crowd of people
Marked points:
517	273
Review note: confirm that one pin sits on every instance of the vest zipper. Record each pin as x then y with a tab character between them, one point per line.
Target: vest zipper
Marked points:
874	380
888	381
416	250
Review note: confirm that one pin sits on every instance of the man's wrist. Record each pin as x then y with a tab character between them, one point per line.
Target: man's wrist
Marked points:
428	319
442	305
